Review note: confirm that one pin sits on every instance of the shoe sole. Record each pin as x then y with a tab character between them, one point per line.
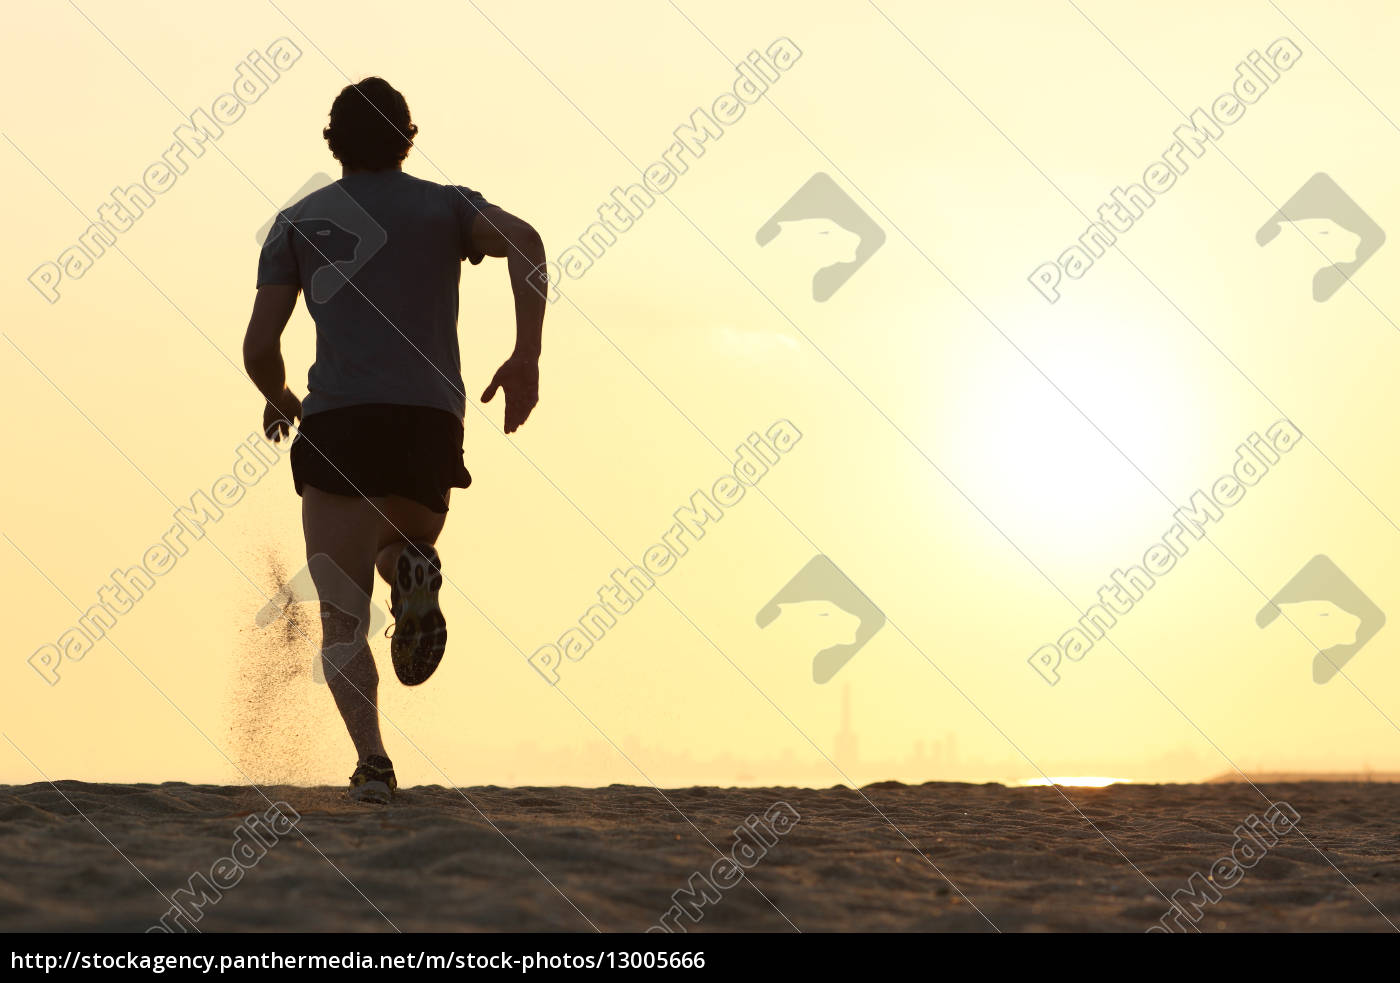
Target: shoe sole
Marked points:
375	793
420	631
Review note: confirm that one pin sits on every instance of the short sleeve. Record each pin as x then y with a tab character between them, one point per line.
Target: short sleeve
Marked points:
468	204
277	264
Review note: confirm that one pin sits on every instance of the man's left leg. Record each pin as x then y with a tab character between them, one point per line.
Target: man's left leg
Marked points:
345	529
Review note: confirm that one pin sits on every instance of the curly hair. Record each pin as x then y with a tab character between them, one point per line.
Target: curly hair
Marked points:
370	128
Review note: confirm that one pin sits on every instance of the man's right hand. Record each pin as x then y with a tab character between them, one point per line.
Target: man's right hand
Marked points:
519	376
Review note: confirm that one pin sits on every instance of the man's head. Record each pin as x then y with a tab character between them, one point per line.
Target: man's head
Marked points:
371	129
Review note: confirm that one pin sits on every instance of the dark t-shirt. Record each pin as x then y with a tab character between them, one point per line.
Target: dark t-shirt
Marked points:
379	258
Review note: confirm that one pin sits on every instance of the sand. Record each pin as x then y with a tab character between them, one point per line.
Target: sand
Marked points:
1008	859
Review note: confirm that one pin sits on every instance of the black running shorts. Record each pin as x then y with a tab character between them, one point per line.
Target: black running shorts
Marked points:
380	449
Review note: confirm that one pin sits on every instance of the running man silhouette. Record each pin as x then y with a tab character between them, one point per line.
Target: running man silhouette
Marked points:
378	255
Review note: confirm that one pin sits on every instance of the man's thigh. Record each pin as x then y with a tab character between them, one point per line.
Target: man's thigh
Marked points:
344	530
404	519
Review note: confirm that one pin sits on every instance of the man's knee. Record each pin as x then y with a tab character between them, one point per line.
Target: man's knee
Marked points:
343	639
341	627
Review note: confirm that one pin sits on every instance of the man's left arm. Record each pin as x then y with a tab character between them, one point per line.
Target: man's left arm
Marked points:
262	357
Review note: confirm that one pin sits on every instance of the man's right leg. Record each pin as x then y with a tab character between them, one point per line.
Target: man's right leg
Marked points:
405	521
408	562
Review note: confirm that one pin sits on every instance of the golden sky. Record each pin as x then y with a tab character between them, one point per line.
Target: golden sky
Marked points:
976	460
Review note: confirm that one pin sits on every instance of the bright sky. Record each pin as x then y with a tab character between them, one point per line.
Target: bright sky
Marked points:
977	461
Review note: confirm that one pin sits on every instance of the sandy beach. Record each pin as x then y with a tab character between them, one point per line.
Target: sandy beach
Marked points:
111	857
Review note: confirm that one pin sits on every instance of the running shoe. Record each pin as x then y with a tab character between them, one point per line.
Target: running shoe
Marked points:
420	631
373	781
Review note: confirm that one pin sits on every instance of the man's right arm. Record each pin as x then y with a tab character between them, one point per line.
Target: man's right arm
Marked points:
496	232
